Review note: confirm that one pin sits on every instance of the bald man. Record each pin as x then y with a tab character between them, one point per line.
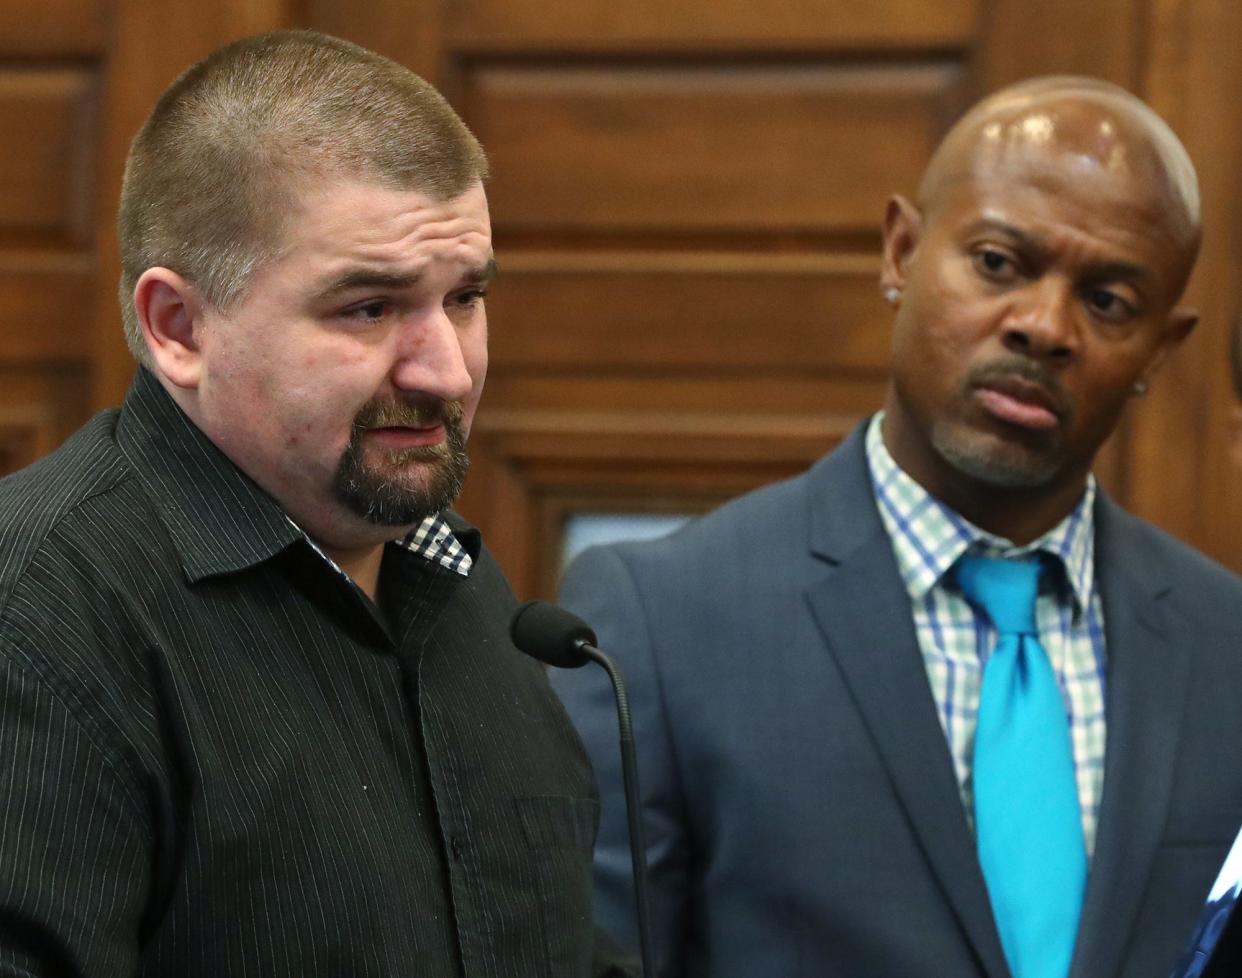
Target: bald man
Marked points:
858	759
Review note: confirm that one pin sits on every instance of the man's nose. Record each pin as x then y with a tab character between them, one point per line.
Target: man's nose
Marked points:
1043	322
430	357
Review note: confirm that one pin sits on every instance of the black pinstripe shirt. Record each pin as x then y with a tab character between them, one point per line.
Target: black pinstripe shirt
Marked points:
219	758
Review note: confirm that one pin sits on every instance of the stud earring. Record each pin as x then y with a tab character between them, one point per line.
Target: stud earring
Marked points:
1139	388
892	295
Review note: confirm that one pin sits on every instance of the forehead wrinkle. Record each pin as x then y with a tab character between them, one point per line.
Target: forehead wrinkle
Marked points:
382	277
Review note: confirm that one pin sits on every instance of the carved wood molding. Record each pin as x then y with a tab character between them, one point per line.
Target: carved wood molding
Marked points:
533	469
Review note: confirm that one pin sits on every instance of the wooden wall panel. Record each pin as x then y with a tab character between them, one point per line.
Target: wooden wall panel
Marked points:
1101	38
45	300
39	408
540	467
746	148
49	182
53	28
686	202
710	311
50	99
1180	472
641	26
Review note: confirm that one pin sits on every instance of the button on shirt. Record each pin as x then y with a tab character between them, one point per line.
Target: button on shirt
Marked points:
928	537
220	758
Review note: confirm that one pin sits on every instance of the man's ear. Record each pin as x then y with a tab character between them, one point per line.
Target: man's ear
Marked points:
169	311
903	226
1180	324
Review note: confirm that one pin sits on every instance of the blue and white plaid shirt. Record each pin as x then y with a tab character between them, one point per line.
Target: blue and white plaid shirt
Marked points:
928	538
432	540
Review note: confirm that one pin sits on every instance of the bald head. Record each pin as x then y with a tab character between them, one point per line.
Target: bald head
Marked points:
1037	283
1104	134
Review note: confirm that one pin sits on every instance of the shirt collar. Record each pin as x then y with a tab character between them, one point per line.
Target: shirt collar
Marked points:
928	537
219	519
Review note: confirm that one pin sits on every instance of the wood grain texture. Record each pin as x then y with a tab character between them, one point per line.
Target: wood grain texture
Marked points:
732	312
44	305
686	199
1103	38
53	28
746	25
39	408
540	467
409	33
670	149
48	172
1180	474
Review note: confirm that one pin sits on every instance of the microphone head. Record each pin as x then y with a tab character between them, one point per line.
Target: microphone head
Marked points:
551	634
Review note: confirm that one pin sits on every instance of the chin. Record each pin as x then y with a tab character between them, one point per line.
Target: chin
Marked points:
997	463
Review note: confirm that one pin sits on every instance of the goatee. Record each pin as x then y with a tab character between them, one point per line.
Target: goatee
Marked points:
409	484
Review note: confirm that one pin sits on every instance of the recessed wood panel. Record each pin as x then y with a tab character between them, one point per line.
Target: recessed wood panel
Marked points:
668	311
52	27
39	408
606	25
47	184
532	467
45	308
679	393
674	150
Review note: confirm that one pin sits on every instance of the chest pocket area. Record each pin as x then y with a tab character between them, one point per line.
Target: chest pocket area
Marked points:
560	831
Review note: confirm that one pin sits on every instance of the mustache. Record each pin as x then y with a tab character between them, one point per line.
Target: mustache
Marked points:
409	414
1021	368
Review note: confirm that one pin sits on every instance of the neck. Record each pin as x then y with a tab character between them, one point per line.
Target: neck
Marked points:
361	565
1018	514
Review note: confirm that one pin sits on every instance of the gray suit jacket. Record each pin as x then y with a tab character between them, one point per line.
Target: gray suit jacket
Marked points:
802	812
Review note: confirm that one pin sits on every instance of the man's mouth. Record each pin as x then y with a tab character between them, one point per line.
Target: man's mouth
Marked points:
1019	402
408	436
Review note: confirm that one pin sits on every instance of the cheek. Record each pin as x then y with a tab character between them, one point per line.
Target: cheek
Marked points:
474	353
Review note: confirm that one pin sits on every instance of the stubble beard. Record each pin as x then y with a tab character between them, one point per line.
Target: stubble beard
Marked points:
1005	465
406	485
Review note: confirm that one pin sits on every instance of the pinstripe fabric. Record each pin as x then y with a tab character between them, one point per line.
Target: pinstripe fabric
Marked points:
218	758
955	640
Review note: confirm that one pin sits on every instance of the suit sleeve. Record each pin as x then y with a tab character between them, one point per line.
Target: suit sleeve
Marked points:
600	587
74	872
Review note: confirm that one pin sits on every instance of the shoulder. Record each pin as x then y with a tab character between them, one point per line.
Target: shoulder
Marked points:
37	501
1202	589
767	528
708	578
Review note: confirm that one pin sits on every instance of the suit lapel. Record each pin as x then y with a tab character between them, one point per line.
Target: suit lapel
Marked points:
863	611
1147	681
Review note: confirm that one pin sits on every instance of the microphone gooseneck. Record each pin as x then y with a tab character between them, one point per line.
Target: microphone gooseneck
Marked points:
557	637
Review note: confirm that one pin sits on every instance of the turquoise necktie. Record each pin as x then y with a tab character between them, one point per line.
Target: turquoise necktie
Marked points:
1027	820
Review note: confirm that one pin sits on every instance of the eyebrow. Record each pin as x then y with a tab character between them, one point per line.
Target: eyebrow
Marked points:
376	278
1101	272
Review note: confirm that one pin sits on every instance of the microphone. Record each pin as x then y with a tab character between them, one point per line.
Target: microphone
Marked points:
557	637
552	635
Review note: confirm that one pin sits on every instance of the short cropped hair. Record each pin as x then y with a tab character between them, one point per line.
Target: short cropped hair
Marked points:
213	172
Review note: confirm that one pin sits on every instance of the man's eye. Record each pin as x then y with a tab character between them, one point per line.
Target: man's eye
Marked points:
994	264
1108	305
469	297
368	310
